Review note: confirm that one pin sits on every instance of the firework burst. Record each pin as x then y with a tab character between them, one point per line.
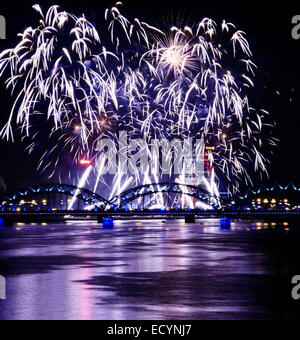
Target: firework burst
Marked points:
74	87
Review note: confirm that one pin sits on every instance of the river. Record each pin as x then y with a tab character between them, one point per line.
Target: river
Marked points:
157	270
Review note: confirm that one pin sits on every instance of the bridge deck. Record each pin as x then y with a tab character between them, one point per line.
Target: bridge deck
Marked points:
139	213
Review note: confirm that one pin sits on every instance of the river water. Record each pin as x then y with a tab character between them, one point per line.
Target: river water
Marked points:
161	270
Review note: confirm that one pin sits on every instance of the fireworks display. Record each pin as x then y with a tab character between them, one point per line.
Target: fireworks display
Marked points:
76	84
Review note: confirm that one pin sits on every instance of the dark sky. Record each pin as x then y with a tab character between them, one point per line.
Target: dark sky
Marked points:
268	28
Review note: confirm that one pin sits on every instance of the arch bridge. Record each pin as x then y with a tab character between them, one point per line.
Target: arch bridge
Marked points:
148	195
54	201
59	196
52	197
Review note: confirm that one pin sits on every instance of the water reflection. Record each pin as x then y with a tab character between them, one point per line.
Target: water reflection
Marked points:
149	270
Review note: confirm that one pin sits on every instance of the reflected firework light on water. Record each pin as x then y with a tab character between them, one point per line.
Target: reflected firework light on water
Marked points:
152	83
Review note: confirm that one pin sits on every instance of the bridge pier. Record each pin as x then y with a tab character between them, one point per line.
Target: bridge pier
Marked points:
190	219
225	222
6	222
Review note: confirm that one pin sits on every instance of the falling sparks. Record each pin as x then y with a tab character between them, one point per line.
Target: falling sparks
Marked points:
81	185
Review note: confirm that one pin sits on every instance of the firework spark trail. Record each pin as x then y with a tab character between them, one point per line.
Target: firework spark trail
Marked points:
154	83
81	185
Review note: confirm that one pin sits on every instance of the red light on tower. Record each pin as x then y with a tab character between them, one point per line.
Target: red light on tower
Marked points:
85	162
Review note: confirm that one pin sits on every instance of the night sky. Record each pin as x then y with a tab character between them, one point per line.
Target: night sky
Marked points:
275	52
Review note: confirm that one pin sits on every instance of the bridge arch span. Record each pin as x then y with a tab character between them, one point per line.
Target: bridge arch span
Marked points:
58	193
197	192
